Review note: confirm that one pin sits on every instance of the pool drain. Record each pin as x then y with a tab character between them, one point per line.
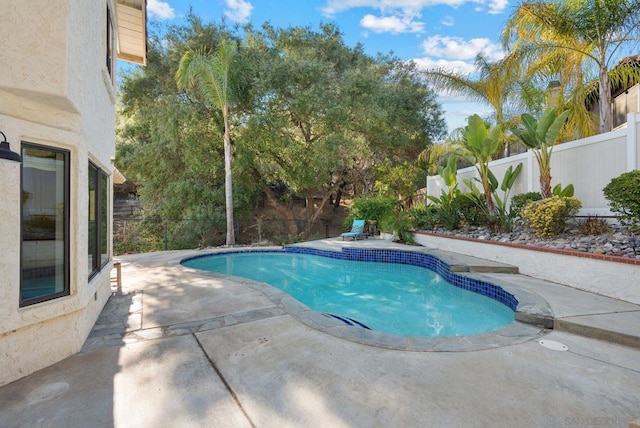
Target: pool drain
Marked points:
553	345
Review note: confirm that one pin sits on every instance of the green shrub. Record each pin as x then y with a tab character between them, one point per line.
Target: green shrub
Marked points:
518	202
472	210
424	218
548	217
623	193
448	217
368	208
401	223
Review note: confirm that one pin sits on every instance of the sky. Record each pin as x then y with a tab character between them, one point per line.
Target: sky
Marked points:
433	33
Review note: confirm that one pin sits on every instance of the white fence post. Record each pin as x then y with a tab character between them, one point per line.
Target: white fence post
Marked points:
530	170
632	141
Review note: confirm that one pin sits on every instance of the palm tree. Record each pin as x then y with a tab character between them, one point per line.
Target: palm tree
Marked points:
577	33
430	157
498	84
212	73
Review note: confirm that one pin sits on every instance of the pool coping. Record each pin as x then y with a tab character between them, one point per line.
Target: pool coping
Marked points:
533	315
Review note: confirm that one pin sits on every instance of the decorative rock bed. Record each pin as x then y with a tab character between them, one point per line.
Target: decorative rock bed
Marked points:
619	242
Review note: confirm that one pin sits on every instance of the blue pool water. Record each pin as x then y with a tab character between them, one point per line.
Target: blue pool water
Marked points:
393	298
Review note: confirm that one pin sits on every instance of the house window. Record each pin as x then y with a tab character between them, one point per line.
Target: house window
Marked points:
45	224
98	185
110	44
627	102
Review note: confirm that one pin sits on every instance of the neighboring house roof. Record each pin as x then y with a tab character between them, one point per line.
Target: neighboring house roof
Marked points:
628	61
132	30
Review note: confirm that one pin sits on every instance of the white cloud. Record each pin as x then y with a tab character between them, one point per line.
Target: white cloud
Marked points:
457	48
448	21
398	16
238	10
160	9
458	110
456	66
497	6
392	24
333	7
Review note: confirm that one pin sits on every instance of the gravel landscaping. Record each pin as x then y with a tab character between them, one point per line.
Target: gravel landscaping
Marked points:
618	242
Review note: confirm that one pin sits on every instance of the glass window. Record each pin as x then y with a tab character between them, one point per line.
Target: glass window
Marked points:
620	110
110	43
93	189
98	224
45	224
104	186
626	102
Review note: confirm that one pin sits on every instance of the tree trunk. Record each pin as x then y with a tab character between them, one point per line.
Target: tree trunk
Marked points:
486	188
606	122
336	203
228	188
287	214
491	207
545	184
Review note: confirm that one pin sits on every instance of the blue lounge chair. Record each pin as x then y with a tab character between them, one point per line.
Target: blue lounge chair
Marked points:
357	230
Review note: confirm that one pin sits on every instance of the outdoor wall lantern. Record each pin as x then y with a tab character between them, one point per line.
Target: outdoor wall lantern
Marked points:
5	150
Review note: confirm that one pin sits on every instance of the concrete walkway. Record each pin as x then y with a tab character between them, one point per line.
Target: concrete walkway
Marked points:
182	348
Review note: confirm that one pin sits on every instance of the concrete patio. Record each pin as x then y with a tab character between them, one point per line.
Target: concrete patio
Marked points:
182	348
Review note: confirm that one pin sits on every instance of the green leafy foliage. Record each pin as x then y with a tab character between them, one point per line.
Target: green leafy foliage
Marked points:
424	217
504	216
325	113
448	216
541	135
449	174
519	201
472	209
482	142
566	192
371	208
399	181
309	112
401	223
548	217
623	193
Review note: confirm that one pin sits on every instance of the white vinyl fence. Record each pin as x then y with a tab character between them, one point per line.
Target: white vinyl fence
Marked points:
589	164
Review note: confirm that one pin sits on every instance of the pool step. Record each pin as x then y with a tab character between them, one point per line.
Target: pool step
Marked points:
622	328
464	263
346	320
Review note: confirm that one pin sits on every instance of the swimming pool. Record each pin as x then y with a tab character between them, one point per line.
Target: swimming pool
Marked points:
397	298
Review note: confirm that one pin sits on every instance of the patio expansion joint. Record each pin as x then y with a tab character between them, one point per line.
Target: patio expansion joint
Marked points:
608	362
624	311
224	381
179	329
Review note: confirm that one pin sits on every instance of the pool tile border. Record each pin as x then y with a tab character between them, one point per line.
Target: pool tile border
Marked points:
533	314
416	259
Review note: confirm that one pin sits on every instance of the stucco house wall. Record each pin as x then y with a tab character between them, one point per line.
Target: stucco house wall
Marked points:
55	90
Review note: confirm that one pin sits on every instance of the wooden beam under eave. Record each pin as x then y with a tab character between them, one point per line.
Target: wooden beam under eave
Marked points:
132	31
136	59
